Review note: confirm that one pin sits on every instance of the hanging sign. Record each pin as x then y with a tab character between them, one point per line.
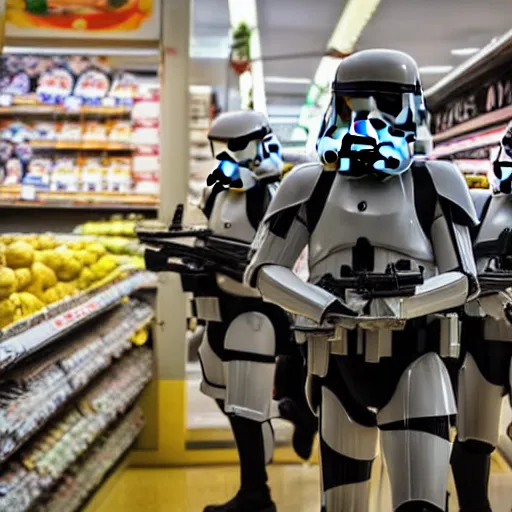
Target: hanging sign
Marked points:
85	19
493	96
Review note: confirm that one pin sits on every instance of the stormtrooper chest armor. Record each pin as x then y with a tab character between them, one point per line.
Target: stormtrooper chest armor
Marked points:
229	216
497	219
382	213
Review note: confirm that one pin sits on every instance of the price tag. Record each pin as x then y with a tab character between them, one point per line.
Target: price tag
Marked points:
28	193
109	102
5	100
73	103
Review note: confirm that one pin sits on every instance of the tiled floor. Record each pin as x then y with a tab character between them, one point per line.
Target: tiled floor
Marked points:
295	489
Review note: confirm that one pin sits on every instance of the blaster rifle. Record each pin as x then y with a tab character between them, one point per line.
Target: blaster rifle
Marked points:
498	275
215	254
391	283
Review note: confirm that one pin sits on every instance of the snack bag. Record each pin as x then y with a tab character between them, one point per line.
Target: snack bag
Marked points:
13	172
70	132
120	131
92	86
65	175
38	173
44	131
55	86
94	131
17	85
119	175
124	89
93	175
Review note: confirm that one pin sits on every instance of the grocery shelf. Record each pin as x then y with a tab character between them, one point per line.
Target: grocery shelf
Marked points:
12	196
34	109
81	145
43	464
72	369
93	477
26	337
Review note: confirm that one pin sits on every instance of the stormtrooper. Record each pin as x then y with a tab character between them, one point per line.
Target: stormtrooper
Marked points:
485	374
390	261
244	335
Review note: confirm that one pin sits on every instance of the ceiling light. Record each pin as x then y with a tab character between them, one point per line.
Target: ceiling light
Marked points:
286	80
435	70
353	20
464	52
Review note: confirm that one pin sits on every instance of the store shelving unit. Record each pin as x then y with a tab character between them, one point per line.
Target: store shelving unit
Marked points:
470	109
69	380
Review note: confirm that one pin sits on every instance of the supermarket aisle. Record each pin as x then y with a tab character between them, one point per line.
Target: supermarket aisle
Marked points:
295	489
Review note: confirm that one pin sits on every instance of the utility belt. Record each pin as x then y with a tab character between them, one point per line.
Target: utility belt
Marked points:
435	333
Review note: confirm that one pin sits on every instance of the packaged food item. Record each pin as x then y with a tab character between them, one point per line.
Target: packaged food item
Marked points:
24	152
38	173
65	175
55	86
18	84
119	175
124	89
16	131
92	86
94	131
6	150
13	172
70	132
44	131
93	175
120	131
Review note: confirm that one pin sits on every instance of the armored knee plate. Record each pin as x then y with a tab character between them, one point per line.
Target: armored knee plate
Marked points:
414	426
251	344
213	382
479	405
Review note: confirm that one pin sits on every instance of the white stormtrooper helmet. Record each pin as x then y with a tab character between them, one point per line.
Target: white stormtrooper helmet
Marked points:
246	148
376	109
501	180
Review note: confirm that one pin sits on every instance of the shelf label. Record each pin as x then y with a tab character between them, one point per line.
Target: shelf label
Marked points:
28	193
5	100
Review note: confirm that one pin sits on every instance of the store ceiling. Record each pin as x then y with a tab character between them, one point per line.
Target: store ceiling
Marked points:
428	30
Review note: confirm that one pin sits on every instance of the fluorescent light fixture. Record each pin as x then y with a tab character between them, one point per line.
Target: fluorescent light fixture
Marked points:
464	52
286	80
353	20
241	11
351	24
104	52
435	70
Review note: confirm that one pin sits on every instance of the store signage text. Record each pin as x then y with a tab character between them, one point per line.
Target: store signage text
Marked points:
488	98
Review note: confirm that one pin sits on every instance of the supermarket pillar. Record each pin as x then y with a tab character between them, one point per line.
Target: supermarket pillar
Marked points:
174	175
389	248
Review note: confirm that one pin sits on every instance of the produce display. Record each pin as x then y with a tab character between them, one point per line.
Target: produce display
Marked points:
43	463
39	270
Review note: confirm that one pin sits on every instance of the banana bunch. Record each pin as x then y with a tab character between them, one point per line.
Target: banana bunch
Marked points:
114	227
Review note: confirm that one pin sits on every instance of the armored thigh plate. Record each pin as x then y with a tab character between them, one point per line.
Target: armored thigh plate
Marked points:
213	383
418	460
479	405
250	379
